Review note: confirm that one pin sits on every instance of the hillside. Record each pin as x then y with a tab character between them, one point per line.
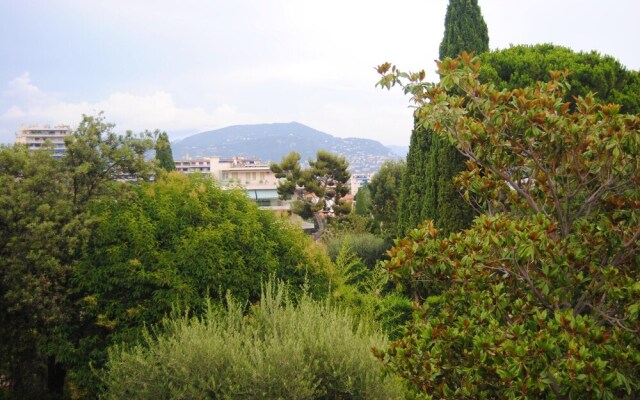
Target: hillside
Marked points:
270	142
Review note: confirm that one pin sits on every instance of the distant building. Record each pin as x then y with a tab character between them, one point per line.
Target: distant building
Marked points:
254	176
357	181
38	136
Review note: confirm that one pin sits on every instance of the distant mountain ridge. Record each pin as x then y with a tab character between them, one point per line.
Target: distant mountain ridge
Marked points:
270	142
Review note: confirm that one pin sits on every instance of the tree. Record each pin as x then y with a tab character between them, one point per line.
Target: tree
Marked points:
45	220
326	178
385	195
464	29
363	201
520	66
180	241
96	157
289	174
540	298
164	156
38	228
427	187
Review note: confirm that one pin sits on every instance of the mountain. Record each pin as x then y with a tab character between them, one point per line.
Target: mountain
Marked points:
270	142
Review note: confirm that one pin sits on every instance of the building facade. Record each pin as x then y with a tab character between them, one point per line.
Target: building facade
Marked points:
359	180
253	176
44	136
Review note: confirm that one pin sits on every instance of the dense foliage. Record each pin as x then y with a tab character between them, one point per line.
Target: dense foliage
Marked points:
289	172
464	29
369	248
385	193
91	254
540	298
363	201
428	191
367	291
280	350
35	208
176	242
414	184
45	221
521	66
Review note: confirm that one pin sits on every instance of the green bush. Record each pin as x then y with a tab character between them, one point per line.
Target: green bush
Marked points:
179	241
279	350
368	247
368	293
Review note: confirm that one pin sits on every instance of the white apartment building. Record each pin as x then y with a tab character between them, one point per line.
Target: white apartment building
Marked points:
36	137
357	181
254	176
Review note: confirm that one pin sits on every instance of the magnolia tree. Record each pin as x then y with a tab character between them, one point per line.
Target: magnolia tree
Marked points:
541	296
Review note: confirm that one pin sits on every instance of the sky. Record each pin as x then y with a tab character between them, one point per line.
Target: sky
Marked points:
194	65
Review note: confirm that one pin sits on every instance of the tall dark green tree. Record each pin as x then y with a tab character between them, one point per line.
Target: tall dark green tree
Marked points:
164	156
464	29
413	187
363	201
385	193
427	188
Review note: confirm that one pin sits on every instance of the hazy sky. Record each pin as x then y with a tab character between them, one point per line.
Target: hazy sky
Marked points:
193	65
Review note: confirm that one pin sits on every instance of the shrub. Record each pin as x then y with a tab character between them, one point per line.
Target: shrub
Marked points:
179	240
368	293
368	247
308	350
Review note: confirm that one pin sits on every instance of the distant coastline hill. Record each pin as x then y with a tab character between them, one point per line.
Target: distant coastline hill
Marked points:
270	142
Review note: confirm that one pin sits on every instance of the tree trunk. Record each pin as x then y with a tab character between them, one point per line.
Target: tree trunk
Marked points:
56	374
321	225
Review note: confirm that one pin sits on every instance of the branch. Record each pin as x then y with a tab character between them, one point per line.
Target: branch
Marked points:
525	275
622	256
582	301
554	386
588	203
552	185
512	184
619	322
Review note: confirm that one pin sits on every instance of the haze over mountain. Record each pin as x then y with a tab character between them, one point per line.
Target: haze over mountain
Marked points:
401	151
270	142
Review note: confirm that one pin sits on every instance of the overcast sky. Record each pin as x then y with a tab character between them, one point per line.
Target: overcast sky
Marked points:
194	65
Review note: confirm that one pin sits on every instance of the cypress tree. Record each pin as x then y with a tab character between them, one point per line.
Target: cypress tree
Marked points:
164	154
412	187
427	186
464	29
363	201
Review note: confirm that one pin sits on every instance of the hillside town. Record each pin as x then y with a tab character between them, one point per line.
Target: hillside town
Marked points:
252	175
